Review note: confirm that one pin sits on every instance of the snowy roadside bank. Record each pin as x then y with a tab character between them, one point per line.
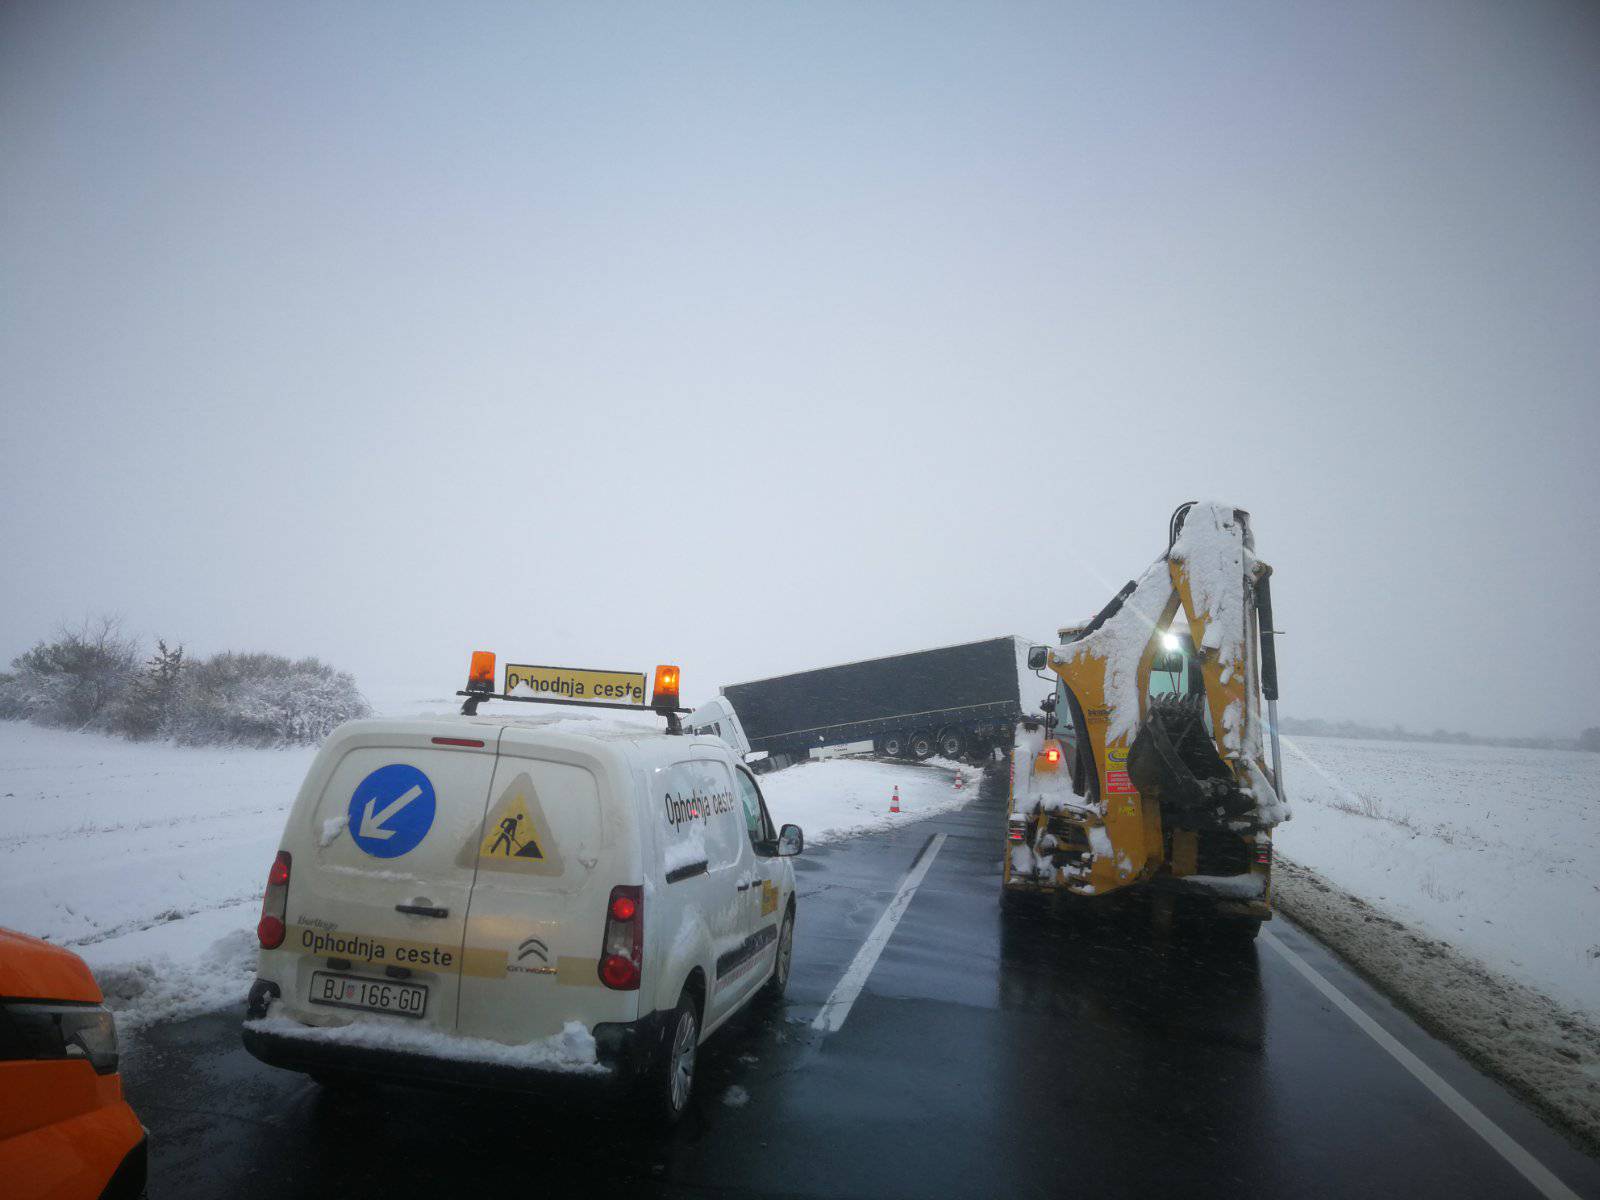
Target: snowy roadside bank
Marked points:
1491	850
1548	1054
1461	881
149	859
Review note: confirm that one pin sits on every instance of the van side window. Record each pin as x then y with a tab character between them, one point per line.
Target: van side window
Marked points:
756	820
699	814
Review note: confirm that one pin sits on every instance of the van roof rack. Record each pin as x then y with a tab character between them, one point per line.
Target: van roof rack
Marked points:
663	700
473	699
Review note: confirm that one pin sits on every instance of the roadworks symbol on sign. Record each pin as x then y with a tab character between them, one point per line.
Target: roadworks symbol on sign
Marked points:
516	836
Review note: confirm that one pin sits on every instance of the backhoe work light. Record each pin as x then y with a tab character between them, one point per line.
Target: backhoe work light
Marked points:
480	676
665	692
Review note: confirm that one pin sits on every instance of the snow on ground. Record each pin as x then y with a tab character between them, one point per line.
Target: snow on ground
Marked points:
1545	1051
100	837
130	853
1490	850
842	797
149	859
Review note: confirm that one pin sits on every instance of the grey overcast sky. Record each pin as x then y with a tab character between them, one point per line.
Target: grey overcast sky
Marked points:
760	336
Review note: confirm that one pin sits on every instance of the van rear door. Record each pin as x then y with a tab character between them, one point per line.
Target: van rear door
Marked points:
553	844
383	872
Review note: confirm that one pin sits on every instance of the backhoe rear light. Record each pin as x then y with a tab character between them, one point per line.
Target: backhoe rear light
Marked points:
275	903
622	950
1263	854
1052	755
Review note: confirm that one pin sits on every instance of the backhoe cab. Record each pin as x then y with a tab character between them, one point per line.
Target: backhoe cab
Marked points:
1150	770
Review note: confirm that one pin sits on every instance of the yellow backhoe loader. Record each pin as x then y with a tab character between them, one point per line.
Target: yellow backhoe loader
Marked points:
1148	771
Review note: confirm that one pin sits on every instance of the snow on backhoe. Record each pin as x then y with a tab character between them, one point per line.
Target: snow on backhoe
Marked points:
1148	771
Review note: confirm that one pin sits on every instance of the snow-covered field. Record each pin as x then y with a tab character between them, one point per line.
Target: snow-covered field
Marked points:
1494	851
149	859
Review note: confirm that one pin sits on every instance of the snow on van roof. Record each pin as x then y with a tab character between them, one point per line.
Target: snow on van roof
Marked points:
582	724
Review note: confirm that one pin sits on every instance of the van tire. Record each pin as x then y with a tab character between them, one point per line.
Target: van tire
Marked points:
668	1088
778	983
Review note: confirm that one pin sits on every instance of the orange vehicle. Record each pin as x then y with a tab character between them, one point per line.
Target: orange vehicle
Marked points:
65	1130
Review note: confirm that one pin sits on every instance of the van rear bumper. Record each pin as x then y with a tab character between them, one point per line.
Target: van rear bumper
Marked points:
625	1049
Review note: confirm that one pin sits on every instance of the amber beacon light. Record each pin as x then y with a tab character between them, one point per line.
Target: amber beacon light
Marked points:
665	692
480	676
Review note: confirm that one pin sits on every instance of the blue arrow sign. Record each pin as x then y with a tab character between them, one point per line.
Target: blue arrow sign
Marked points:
392	810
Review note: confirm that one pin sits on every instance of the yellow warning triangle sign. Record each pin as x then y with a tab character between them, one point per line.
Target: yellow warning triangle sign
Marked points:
516	835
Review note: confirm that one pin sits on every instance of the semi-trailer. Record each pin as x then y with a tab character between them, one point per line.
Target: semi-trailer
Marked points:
958	701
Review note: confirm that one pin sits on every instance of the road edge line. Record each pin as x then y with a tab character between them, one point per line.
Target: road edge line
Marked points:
837	1006
1524	1163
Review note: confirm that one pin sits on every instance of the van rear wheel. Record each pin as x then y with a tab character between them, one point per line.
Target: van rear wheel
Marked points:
669	1087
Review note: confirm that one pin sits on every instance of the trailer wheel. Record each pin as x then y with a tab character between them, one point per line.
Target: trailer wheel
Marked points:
952	743
894	745
921	745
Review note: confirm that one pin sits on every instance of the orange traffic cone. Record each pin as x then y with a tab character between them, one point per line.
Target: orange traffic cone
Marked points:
961	781
894	800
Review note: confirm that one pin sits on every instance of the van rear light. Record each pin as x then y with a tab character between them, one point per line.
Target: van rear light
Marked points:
270	931
472	742
275	903
622	951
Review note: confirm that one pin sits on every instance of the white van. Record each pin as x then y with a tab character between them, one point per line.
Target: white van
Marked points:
490	900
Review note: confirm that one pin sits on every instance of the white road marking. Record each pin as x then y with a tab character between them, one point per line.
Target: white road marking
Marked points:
1526	1165
837	1008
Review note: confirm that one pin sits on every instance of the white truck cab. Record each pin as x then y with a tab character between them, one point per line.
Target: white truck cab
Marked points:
491	899
716	718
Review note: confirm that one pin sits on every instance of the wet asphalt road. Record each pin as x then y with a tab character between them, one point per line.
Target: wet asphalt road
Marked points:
1039	1056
